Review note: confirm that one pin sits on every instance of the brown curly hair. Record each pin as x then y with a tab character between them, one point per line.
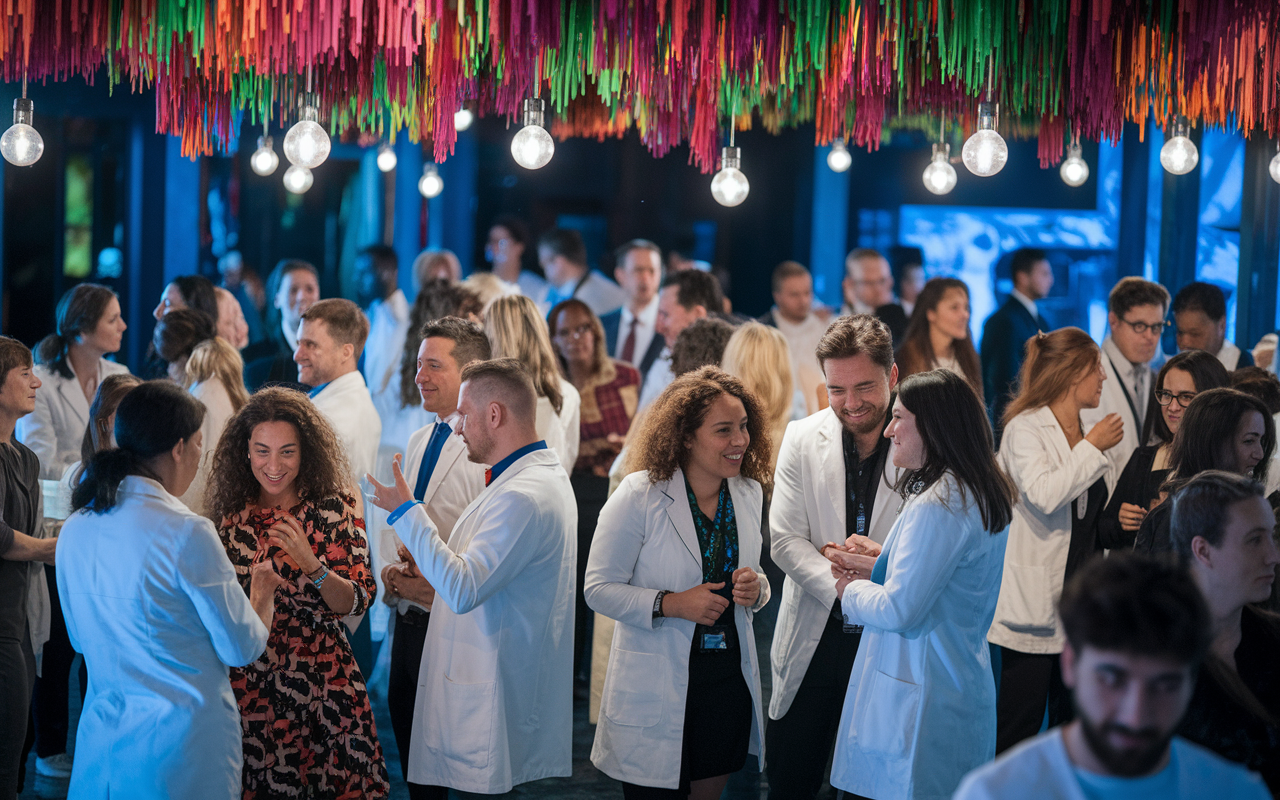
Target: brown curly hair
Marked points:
662	443
324	471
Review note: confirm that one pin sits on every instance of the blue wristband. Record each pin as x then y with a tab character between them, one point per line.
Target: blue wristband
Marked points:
401	511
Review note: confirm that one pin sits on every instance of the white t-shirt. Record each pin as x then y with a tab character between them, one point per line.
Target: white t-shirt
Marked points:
1040	768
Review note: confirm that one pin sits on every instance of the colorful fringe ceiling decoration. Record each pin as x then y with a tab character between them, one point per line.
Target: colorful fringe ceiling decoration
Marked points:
678	71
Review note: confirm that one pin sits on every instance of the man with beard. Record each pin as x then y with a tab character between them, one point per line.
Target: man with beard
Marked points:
834	484
1137	630
494	707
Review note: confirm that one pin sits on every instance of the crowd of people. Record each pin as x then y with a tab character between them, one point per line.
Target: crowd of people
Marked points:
1044	569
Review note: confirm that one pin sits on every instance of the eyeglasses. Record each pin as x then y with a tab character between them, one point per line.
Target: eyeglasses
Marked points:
565	334
1143	327
1184	398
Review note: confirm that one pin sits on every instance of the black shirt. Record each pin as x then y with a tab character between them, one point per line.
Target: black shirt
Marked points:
1216	718
19	502
861	480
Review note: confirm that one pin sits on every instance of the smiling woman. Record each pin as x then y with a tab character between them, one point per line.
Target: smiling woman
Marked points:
279	491
702	452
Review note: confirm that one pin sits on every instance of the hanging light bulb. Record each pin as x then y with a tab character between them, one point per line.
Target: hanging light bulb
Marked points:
22	145
264	160
839	159
940	176
730	187
430	184
532	147
298	179
985	152
307	144
1179	155
1074	170
1274	168
386	157
462	119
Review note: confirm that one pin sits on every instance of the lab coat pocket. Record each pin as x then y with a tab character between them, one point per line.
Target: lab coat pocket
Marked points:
886	722
633	695
473	704
1029	607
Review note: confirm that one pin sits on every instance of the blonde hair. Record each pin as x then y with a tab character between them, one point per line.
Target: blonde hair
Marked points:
516	330
488	287
758	356
217	358
431	258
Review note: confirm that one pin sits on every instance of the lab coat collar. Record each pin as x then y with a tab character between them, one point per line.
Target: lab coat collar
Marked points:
149	487
675	502
342	383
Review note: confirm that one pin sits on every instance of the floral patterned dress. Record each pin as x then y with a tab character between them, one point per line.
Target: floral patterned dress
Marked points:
304	709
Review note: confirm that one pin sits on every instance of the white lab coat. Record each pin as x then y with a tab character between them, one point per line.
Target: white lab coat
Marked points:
645	542
153	603
383	351
218	410
346	403
495	690
562	432
1113	402
920	711
1049	475
454	483
808	510
55	429
1040	768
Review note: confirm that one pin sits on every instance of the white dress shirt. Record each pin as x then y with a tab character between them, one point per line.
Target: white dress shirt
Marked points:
659	378
383	351
646	323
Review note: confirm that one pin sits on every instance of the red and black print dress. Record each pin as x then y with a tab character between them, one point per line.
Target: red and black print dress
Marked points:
308	727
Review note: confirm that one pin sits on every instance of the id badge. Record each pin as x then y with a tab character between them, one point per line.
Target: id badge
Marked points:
714	641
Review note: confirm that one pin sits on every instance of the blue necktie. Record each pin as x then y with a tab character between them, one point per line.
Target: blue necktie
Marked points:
429	458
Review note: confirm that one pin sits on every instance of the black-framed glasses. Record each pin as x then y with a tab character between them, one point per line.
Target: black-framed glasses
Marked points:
1143	327
1184	398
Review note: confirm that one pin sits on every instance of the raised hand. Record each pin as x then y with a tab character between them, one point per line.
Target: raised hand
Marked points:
1107	433
389	498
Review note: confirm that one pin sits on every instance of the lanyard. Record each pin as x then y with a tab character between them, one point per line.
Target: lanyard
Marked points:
1125	390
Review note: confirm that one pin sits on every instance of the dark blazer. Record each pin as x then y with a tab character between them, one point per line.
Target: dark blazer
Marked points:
612	322
275	367
1003	336
895	317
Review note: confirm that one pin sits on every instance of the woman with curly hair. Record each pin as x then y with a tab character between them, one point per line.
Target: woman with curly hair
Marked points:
279	490
676	562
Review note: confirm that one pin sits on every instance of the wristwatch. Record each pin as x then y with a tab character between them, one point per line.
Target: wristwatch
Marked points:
657	604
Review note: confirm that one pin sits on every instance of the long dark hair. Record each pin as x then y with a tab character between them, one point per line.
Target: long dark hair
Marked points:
198	293
953	425
178	332
1209	425
916	353
150	420
79	311
1206	373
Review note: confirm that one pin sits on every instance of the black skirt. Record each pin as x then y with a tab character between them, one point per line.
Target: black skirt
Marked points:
717	715
717	723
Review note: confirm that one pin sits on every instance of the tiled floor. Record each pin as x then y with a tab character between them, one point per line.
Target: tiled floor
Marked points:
586	782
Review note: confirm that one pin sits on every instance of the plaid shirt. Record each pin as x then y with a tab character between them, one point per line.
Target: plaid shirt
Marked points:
608	404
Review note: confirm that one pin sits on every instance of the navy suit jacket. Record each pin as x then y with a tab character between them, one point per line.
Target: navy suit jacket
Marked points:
612	321
1004	335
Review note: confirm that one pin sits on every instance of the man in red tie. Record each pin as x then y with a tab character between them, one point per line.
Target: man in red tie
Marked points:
630	333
